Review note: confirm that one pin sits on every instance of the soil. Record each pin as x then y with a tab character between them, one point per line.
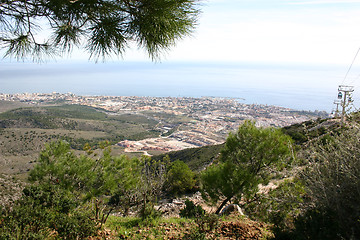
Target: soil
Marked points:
238	228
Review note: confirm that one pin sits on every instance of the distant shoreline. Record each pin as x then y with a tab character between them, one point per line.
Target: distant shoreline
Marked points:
296	87
38	98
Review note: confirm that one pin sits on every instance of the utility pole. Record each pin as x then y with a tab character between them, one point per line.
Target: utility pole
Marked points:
345	97
337	102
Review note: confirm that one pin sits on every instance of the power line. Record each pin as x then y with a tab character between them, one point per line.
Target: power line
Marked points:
351	65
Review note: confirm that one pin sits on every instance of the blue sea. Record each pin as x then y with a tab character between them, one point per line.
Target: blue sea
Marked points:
296	86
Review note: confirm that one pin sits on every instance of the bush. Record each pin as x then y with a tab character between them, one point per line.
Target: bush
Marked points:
148	213
318	224
45	211
191	210
207	223
332	181
280	206
180	178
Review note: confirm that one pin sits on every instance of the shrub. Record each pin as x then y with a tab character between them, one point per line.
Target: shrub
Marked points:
45	211
191	210
332	180
317	224
280	206
206	223
180	178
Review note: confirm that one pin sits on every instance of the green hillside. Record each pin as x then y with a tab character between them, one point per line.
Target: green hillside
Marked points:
196	158
25	130
301	133
80	119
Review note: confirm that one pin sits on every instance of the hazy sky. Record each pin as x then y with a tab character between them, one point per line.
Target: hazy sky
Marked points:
295	31
276	31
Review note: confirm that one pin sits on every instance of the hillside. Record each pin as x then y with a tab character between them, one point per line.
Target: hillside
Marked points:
301	133
195	158
25	130
76	123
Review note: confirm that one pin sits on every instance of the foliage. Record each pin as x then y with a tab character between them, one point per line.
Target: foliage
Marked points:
148	177
208	222
248	158
332	179
150	184
138	228
195	158
318	223
85	176
179	178
191	210
109	182
93	124
301	133
204	224
101	27
45	211
279	206
70	192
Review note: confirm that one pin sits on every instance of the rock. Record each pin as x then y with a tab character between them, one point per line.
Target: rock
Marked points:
177	202
231	208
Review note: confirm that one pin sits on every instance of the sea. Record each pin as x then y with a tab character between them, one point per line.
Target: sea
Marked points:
296	86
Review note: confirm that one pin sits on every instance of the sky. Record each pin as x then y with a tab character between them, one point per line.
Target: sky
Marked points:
318	39
276	31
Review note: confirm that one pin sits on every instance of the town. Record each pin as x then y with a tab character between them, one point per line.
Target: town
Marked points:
183	122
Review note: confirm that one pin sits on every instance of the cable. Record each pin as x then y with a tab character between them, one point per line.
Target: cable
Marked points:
355	107
351	65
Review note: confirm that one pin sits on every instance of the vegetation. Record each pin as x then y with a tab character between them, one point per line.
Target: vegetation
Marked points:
332	180
195	158
301	133
46	211
279	206
76	124
191	210
65	184
101	27
72	195
179	178
248	159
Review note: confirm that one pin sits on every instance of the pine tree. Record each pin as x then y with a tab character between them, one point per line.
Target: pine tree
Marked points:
42	28
248	158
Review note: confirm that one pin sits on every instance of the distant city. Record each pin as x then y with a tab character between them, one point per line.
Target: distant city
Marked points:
184	122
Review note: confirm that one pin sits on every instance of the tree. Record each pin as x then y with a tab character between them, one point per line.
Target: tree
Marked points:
86	177
101	27
150	184
248	158
180	178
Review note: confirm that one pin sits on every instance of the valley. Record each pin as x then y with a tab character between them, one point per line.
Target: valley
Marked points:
133	125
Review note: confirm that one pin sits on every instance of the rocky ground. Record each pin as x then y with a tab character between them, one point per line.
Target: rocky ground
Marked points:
10	189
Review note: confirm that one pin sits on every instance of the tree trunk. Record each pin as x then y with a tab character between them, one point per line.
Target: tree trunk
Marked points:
222	205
